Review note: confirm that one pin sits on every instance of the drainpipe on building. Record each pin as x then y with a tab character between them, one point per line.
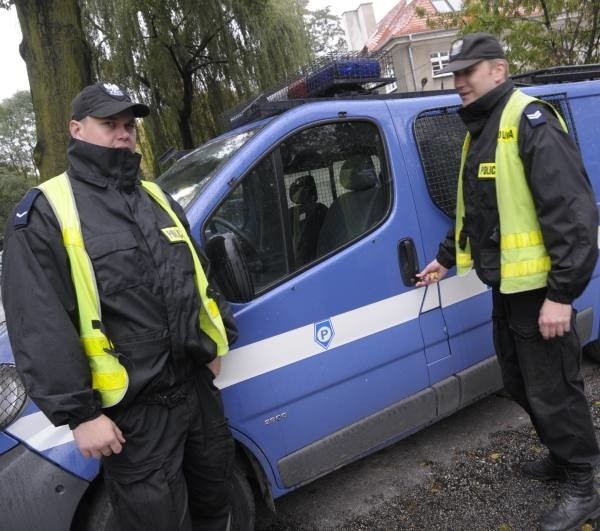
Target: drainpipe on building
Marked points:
412	63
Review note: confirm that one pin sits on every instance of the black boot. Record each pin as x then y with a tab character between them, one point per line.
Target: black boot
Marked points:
544	470
579	504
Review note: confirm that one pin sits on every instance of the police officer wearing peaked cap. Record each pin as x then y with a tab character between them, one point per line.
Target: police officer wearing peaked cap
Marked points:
115	327
526	221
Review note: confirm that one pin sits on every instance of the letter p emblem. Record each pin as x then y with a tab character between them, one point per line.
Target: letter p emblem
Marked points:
324	333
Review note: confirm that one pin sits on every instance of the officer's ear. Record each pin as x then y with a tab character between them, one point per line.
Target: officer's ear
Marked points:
75	128
500	67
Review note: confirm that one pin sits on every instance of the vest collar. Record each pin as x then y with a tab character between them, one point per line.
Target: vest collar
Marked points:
100	165
476	114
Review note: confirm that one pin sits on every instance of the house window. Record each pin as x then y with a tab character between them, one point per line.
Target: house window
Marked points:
438	61
447	6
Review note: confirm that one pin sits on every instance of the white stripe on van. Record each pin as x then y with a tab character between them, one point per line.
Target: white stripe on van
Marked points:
296	345
459	288
39	433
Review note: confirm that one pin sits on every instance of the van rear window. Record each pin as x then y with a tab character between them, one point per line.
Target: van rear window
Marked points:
439	134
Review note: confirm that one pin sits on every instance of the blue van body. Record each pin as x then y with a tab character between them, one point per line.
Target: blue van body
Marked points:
337	357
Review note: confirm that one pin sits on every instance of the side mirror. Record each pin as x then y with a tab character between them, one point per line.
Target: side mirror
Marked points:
230	268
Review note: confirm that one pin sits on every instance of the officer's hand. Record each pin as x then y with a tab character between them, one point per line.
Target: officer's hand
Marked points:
215	366
433	272
98	437
555	319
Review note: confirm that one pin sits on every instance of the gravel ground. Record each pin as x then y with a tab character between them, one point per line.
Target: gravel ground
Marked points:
482	489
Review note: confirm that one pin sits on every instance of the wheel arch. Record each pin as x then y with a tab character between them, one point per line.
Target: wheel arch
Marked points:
256	467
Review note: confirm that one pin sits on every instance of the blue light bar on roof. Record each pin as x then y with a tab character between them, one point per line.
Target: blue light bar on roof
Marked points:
341	71
346	73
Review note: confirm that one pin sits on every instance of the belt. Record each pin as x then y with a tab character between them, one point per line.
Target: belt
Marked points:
167	399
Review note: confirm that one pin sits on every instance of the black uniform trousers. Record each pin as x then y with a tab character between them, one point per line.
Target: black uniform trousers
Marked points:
175	468
544	377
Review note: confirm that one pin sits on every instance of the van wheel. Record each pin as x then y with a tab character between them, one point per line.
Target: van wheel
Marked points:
592	350
243	508
96	512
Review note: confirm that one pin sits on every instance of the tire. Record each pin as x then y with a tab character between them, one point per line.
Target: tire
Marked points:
243	507
592	350
95	512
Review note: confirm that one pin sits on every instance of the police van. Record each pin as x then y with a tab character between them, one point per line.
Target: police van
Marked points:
317	206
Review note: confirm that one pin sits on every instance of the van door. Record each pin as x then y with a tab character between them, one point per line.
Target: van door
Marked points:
436	133
331	343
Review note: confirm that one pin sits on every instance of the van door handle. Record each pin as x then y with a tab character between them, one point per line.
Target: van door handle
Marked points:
409	261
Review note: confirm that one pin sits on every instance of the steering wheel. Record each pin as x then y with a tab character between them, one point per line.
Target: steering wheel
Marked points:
217	220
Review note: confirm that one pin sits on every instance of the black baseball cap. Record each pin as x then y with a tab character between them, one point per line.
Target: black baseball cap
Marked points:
472	49
102	100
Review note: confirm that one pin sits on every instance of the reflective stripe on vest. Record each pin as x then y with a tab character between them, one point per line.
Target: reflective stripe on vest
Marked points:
524	261
109	377
211	322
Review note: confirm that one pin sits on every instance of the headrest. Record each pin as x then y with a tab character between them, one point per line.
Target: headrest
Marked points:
303	190
358	173
305	161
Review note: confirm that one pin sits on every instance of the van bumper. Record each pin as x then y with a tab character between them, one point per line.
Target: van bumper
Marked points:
35	494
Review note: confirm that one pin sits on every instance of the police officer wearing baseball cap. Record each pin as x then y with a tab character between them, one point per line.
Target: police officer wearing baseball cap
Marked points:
472	49
105	99
526	221
109	338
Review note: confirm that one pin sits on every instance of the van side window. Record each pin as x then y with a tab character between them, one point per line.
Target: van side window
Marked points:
317	191
342	171
252	213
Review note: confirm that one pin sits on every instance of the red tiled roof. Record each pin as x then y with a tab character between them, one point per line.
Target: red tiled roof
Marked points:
402	20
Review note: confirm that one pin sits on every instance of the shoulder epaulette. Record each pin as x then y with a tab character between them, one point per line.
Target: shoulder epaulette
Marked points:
535	116
21	213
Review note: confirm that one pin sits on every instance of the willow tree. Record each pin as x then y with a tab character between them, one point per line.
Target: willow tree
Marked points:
537	33
17	135
58	66
192	60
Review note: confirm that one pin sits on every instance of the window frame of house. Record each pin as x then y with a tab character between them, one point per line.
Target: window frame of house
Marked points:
439	60
447	6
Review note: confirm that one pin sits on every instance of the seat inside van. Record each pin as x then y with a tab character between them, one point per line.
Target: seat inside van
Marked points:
306	217
357	209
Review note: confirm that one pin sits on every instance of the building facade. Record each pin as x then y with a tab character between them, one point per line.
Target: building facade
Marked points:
418	50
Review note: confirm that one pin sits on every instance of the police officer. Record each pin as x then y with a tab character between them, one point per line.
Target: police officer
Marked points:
526	220
115	329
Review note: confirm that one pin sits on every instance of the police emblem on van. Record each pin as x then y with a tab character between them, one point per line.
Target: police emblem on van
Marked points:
324	333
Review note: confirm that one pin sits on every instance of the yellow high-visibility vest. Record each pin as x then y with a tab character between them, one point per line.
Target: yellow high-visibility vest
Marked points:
109	377
524	261
211	322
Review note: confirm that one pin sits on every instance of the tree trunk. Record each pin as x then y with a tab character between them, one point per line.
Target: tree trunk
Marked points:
185	113
58	66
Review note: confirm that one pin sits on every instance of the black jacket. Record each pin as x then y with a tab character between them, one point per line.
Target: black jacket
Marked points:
562	194
148	297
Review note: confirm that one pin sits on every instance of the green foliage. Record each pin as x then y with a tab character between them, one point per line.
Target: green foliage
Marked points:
326	33
17	141
12	189
192	60
17	134
537	33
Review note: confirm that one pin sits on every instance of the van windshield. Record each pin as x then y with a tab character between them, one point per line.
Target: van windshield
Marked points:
188	176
